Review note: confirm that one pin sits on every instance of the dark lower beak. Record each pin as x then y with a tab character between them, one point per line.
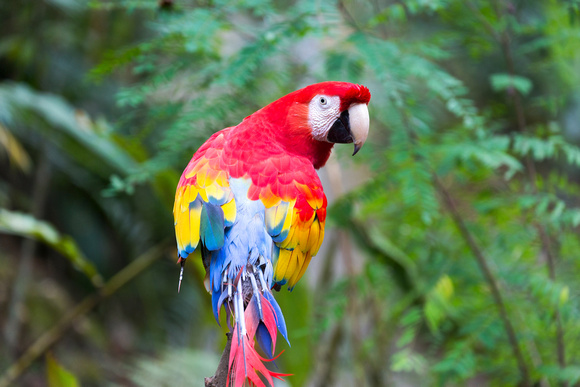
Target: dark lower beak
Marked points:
339	132
351	126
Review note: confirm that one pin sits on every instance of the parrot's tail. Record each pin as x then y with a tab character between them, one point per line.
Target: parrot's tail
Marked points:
256	314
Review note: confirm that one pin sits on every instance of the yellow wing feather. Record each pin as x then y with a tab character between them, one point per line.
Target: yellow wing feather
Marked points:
302	242
200	185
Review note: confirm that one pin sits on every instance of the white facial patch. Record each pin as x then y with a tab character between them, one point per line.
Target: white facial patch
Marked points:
322	112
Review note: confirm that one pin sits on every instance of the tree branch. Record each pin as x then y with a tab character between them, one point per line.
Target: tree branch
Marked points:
532	178
54	334
477	252
220	377
39	195
489	277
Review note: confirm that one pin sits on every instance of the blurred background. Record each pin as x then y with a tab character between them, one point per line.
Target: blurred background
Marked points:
452	251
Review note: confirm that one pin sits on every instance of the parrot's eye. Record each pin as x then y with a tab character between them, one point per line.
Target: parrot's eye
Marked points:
325	102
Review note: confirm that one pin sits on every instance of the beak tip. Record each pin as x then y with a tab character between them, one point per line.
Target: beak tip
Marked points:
356	148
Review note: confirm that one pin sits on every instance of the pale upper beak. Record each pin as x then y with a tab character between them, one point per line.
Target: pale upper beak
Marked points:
359	124
351	127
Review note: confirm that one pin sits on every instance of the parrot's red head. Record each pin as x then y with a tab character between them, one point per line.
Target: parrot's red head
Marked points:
311	120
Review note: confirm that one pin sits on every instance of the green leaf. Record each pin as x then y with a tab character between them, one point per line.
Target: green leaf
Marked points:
12	147
437	305
570	374
25	225
57	375
458	360
408	361
71	130
564	295
503	82
384	244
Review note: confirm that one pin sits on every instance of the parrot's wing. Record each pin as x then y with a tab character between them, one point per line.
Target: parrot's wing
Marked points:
288	186
204	204
295	214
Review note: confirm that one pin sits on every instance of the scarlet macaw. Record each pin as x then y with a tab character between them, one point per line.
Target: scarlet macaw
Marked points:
251	199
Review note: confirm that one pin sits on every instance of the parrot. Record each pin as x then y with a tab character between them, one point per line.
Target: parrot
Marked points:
251	200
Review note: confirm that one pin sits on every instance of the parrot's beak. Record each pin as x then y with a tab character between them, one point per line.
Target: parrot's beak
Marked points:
359	125
351	127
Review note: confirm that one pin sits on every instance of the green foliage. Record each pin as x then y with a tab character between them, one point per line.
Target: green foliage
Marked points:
477	99
485	164
507	82
27	226
89	143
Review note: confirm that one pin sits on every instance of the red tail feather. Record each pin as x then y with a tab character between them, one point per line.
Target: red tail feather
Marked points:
245	363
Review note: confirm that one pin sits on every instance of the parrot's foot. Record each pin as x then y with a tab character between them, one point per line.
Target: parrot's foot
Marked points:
249	283
238	287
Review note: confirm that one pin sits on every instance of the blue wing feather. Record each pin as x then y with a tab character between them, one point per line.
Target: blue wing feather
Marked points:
212	226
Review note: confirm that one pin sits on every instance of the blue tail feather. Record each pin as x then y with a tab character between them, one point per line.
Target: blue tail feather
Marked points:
264	340
280	323
216	302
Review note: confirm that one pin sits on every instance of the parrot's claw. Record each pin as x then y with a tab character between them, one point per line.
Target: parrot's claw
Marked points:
250	281
262	280
257	293
182	262
239	299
